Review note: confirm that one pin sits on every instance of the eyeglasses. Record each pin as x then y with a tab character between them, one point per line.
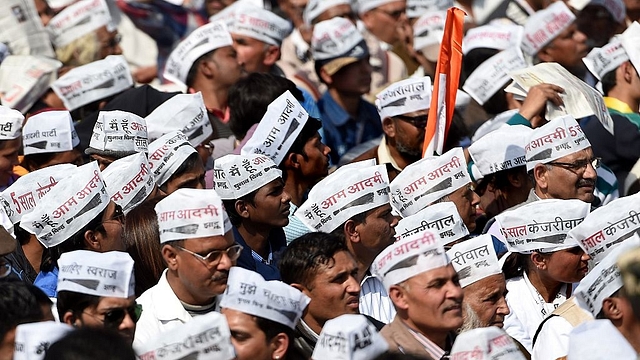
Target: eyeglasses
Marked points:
348	15
114	317
210	146
579	165
419	121
393	14
213	258
5	268
118	215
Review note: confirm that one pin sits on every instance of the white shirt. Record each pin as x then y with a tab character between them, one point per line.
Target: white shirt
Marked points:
374	300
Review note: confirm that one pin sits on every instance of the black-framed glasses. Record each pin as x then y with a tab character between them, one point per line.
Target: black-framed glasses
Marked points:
579	165
213	258
396	14
419	121
114	317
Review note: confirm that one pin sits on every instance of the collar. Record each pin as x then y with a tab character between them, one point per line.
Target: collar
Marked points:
307	332
169	307
384	155
334	112
617	105
434	350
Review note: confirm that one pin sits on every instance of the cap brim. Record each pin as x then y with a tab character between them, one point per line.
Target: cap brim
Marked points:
334	66
7	242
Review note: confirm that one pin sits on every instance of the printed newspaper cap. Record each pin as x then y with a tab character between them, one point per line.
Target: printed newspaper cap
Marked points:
474	259
542	225
203	337
629	40
78	20
404	97
417	8
278	129
604	279
25	78
10	123
501	149
491	76
191	214
442	219
22	31
49	132
184	112
544	26
351	190
58	4
495	123
259	23
427	33
315	8
129	181
365	5
118	133
34	339
201	41
337	43
616	8
248	292
494	36
558	138
601	61
238	175
486	343
408	257
586	342
26	193
108	274
428	180
349	337
68	207
608	226
167	153
92	82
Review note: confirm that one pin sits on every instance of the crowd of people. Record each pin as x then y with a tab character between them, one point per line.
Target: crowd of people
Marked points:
220	179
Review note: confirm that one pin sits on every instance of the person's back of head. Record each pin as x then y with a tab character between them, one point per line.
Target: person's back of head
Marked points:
91	343
18	305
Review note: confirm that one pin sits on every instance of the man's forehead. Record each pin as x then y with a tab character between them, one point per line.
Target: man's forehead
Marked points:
444	272
488	285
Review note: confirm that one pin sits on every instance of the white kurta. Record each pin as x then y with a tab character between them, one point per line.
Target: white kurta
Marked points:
374	300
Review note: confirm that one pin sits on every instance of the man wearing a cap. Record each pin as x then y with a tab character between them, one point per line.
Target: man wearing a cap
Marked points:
349	336
199	249
175	164
342	62
382	21
97	290
426	293
10	144
403	125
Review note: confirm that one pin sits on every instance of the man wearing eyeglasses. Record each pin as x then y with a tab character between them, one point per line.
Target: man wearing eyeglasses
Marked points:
199	249
403	108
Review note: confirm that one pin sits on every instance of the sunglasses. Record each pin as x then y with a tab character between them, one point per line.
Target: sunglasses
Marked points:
114	317
419	121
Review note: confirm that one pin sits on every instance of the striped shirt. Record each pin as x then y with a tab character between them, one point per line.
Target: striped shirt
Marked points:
434	350
374	300
296	228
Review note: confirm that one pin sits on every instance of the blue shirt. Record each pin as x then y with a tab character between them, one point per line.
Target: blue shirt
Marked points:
47	281
341	131
277	243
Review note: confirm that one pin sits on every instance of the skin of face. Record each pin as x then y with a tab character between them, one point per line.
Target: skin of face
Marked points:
249	341
8	159
94	316
487	299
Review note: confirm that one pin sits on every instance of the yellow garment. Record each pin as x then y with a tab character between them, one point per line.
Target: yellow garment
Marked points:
19	170
617	105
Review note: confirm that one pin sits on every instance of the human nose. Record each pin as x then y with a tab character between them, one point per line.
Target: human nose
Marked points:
455	292
585	257
225	262
327	150
579	36
590	172
353	286
285	197
503	307
127	323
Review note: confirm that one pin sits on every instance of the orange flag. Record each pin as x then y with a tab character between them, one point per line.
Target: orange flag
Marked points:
445	84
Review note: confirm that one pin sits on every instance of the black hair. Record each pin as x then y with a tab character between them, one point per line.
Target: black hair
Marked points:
193	70
305	255
272	328
249	98
230	207
515	265
358	219
33	162
309	130
74	302
187	165
18	305
608	81
91	343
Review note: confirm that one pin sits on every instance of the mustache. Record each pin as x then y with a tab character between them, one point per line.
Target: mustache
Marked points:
221	275
586	182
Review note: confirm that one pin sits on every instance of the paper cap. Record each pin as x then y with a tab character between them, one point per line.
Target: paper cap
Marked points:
559	137
108	274
604	279
259	23
349	337
207	336
491	76
495	123
601	61
542	225
404	97
494	36
238	175
25	78
167	153
417	8
586	342
474	259
428	180
78	20
129	181
442	219
315	8
629	39
34	339
616	8
92	82
118	133
191	214
351	190
501	149
427	33
184	112
486	343
278	129
26	193
248	292
365	5
409	257
337	43
49	132
545	25
10	123
201	41
68	207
